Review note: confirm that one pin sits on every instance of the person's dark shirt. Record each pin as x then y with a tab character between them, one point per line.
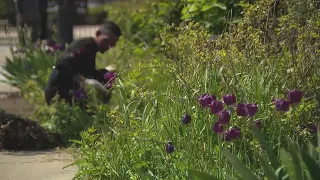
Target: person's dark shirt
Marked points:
79	58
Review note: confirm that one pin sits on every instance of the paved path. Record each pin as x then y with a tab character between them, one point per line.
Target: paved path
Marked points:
78	32
42	165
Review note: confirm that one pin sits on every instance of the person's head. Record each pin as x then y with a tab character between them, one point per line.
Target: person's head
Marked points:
107	35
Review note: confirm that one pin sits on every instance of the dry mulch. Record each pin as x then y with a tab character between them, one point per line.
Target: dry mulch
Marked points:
17	133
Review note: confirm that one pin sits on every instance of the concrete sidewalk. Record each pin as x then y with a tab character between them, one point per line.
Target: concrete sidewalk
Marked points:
40	165
78	32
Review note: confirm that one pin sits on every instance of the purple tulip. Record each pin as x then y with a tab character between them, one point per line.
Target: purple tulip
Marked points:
206	99
235	132
229	99
55	46
109	76
186	119
258	123
241	110
231	134
282	105
217	127
58	47
252	109
314	128
79	94
224	117
294	96
216	107
51	42
169	147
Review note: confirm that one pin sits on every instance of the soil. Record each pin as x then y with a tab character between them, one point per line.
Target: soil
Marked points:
17	133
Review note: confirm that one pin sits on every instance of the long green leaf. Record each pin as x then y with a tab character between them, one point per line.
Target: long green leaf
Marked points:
272	157
229	177
270	174
311	164
312	151
242	169
201	175
297	163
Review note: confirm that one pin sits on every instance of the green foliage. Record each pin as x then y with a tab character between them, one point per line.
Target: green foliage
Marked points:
305	162
96	15
6	7
27	66
253	60
211	13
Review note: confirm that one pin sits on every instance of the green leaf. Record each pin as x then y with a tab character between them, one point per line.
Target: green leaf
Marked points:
207	7
297	163
272	157
280	175
270	174
311	164
221	6
201	175
193	8
229	177
312	151
242	169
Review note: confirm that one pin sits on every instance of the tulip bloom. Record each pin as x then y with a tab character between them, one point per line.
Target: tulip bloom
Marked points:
294	96
241	110
252	109
186	119
229	99
216	107
217	127
205	100
169	147
282	105
224	117
231	134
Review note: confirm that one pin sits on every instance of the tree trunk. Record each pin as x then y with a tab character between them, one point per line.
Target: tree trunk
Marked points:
65	20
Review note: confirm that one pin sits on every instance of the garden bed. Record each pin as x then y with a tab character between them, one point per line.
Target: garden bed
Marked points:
17	133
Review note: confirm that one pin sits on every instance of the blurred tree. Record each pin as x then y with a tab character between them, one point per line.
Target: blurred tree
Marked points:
6	6
65	20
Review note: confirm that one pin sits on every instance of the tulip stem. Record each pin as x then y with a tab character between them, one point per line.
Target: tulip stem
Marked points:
294	122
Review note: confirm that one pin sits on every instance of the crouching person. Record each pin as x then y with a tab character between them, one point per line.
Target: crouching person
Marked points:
77	65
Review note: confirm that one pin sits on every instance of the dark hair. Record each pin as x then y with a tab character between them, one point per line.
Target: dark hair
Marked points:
110	27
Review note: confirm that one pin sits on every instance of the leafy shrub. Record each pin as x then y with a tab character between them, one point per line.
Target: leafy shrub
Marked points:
26	63
96	15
